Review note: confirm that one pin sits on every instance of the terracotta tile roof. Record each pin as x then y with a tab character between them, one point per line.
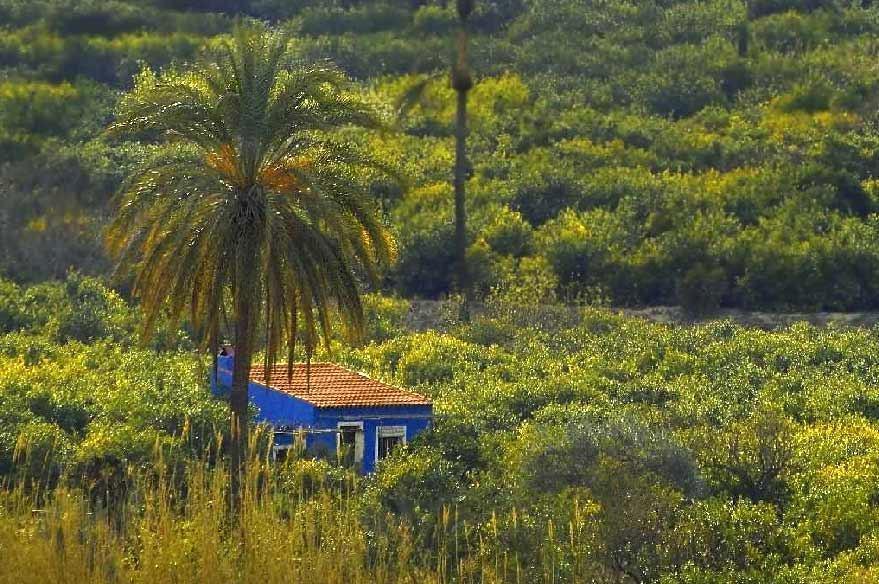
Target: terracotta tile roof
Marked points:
333	386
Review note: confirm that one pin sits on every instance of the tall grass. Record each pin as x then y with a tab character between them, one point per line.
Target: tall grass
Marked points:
172	523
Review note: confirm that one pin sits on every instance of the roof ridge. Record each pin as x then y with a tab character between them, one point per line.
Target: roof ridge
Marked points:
337	387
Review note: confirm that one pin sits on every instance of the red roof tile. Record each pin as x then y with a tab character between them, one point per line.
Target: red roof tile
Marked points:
332	386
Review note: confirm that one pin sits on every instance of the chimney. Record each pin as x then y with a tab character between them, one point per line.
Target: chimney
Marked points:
225	363
226	358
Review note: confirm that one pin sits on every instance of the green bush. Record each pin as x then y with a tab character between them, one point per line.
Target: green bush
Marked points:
720	536
97	17
687	78
40	108
415	486
432	19
385	317
646	115
509	234
361	20
702	289
426	264
12	315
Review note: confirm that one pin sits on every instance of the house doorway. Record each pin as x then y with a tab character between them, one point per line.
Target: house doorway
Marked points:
350	443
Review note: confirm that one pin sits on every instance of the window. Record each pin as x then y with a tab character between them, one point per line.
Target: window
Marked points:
287	444
388	438
350	442
280	452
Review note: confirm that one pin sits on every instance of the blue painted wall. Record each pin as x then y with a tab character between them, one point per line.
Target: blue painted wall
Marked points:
414	418
282	409
222	383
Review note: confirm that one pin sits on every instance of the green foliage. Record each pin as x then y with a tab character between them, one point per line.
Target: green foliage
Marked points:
754	118
78	398
568	457
707	454
433	19
385	317
702	289
723	536
12	315
82	309
364	19
703	453
414	485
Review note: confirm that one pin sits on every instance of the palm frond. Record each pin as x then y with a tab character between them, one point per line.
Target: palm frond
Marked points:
252	198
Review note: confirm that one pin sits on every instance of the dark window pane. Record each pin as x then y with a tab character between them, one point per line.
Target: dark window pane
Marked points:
348	436
386	444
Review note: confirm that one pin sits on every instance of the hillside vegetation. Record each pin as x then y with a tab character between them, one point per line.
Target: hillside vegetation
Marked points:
710	153
706	153
610	451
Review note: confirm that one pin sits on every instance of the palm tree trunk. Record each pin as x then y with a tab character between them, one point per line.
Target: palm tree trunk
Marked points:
744	30
744	34
462	82
460	203
239	397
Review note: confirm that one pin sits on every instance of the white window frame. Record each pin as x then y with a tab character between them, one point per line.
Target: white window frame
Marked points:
278	447
389	432
359	426
298	440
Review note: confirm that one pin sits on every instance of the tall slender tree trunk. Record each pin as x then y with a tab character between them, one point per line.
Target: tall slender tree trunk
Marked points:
744	30
743	38
462	82
461	203
239	398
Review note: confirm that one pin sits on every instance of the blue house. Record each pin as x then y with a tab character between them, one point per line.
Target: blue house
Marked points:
333	409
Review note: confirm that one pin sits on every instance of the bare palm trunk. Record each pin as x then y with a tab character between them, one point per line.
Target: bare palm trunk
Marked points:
461	202
744	36
744	30
239	398
462	82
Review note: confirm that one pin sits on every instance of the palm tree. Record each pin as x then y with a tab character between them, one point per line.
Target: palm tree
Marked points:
252	210
743	30
462	83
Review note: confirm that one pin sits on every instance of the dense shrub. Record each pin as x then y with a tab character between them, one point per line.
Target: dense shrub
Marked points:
432	19
702	289
637	118
77	397
362	20
691	453
708	154
39	108
426	264
650	442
